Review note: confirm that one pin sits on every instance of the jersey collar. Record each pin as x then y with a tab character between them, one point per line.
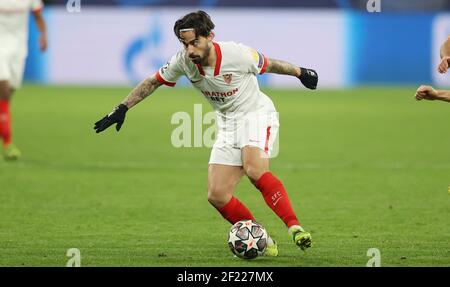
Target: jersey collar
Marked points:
218	59
200	69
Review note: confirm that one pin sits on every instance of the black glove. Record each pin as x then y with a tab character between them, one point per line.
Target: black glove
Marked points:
116	116
309	78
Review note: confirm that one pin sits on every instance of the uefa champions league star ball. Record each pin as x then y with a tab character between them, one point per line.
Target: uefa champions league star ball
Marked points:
247	239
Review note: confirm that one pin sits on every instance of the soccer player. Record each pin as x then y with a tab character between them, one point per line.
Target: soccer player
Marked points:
13	51
225	74
428	92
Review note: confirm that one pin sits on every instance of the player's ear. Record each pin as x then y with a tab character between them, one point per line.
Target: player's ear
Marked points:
211	36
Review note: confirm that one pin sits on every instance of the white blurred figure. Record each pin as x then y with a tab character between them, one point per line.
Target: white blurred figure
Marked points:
13	52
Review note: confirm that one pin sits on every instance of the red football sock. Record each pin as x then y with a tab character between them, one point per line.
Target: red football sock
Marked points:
276	198
235	211
5	122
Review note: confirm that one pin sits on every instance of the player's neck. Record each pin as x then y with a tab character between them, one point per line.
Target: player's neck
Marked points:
211	60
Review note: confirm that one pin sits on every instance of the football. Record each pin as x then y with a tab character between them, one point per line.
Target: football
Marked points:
247	239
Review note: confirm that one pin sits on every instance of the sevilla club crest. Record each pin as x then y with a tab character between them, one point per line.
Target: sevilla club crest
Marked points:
227	78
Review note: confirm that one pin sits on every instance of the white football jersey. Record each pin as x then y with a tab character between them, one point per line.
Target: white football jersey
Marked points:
231	87
14	24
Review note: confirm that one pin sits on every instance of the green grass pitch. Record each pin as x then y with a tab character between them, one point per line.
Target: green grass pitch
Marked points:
364	168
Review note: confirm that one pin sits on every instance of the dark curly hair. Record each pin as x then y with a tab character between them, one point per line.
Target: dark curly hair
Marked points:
199	21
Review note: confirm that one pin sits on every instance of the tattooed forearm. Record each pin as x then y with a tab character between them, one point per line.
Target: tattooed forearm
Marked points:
141	91
282	67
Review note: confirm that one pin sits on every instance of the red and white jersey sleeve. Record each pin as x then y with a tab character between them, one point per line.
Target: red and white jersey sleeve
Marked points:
253	61
171	71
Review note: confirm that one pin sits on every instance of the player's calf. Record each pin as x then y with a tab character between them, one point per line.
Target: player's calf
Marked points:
5	91
5	121
234	211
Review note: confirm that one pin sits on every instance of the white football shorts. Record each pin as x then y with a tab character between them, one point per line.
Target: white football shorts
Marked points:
12	65
258	129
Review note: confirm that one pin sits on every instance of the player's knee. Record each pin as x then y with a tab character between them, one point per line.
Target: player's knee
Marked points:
218	196
253	172
5	90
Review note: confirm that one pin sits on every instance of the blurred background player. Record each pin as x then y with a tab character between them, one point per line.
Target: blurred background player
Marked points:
225	73
428	92
13	52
